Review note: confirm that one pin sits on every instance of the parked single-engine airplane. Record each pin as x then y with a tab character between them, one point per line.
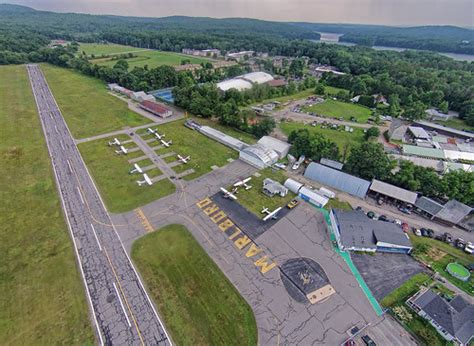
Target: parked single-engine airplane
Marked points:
146	180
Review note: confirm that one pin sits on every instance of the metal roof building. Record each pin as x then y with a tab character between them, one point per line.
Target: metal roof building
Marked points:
418	132
281	148
354	231
234	83
423	152
222	138
257	77
272	188
331	163
337	179
444	129
293	185
428	206
393	191
258	156
453	212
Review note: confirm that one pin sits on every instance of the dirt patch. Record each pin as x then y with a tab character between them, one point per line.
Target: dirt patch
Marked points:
435	254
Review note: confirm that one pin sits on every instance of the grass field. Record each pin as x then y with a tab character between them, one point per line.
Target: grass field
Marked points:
85	104
255	200
198	303
439	254
341	138
333	90
99	49
117	187
204	151
338	109
337	204
42	299
152	58
405	291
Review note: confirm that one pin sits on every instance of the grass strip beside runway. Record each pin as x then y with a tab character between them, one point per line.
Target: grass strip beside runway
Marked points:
197	302
42	299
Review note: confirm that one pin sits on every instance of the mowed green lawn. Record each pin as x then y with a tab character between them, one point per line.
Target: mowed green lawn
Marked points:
255	200
99	49
118	188
85	104
338	109
42	298
204	152
342	138
197	302
153	58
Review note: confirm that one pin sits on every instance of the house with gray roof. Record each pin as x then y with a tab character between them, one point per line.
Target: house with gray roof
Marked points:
339	180
354	231
272	188
453	320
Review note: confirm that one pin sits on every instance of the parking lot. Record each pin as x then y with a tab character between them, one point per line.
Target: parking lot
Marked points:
384	272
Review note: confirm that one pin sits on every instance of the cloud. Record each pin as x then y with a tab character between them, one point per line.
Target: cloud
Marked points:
389	12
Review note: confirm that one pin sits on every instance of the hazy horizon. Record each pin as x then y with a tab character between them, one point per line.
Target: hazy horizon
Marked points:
379	12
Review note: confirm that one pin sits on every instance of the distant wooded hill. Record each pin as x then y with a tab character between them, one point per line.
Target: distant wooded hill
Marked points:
435	38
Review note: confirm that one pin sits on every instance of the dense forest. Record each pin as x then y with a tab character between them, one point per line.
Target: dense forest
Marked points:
435	38
412	81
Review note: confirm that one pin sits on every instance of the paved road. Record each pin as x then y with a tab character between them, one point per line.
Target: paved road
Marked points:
121	308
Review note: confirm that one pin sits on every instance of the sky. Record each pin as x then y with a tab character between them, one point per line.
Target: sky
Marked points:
388	12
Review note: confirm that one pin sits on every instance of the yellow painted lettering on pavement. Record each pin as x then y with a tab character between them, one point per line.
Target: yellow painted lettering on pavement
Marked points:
263	264
224	226
242	242
252	250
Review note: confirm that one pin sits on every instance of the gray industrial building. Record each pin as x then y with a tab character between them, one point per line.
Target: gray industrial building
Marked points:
380	189
280	147
339	180
222	138
354	231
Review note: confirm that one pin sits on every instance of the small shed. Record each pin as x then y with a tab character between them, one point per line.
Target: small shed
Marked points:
313	197
272	188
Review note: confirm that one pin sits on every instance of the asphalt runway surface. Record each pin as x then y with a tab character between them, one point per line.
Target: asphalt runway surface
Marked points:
121	309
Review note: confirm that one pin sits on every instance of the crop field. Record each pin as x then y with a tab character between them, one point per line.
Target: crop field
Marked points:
204	151
98	49
42	300
117	187
338	109
85	104
255	200
198	303
153	58
342	138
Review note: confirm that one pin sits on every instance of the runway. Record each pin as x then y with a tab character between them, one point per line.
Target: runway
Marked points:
121	309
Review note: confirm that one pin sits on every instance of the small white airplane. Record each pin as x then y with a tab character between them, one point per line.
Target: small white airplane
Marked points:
228	194
166	144
122	150
244	183
270	214
158	136
184	159
151	131
146	180
136	169
115	142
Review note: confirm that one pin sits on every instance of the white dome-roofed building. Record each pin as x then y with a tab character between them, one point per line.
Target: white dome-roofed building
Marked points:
258	156
245	81
257	77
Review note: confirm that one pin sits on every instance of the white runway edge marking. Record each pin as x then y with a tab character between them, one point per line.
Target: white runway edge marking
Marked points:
115	230
62	145
121	304
80	194
96	238
99	332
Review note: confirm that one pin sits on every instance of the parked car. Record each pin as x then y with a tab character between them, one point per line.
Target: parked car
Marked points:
358	208
368	341
350	343
448	238
430	233
383	218
370	214
405	210
417	232
280	165
293	203
423	232
439	237
398	222
460	243
469	248
405	227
